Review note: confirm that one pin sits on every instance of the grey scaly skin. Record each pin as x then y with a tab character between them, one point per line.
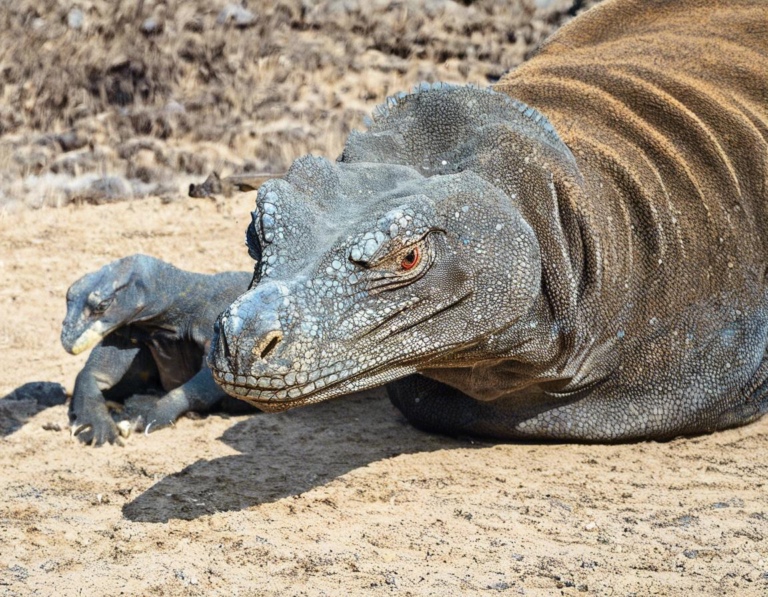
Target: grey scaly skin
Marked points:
149	323
504	285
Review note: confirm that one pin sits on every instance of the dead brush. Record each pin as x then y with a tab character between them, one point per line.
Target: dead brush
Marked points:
293	78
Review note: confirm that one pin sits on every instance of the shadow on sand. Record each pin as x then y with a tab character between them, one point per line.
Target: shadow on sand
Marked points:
26	401
286	454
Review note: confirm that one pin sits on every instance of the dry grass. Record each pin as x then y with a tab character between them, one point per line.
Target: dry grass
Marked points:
154	91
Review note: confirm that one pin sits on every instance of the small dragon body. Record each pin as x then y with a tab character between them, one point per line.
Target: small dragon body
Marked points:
150	324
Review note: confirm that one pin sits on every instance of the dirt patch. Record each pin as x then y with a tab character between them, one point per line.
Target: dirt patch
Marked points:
341	497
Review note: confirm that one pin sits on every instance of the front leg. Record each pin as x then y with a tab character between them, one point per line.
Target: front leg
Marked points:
199	394
109	363
436	407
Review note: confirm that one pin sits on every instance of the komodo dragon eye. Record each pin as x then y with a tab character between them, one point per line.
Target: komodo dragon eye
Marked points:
102	306
412	259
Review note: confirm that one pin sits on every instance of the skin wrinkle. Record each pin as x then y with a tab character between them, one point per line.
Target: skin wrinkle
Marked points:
604	209
710	143
643	131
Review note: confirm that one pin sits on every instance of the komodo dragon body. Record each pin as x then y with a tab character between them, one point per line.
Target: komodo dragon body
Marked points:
598	274
150	323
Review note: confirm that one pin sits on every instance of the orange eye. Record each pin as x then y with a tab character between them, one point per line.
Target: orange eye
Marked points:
411	260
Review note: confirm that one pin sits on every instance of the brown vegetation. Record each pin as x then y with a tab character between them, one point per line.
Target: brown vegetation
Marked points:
149	94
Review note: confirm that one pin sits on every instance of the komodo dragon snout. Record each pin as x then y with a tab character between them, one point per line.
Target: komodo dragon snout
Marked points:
93	312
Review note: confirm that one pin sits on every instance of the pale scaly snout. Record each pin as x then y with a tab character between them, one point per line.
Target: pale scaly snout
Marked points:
248	334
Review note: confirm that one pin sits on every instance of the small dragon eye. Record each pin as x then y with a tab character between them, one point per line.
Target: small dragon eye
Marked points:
411	260
102	306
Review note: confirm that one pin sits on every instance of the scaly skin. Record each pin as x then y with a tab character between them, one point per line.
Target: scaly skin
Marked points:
596	275
150	324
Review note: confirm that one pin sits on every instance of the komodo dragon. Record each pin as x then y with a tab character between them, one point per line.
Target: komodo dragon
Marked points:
150	322
578	254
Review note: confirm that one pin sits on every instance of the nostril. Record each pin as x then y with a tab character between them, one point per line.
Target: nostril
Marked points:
268	344
270	347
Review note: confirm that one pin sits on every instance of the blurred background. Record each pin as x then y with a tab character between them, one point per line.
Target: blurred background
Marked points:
104	101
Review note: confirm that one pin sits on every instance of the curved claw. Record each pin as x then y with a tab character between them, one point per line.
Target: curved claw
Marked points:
157	425
75	429
95	433
157	415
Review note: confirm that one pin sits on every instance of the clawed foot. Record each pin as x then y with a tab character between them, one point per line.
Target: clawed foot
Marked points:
94	428
152	416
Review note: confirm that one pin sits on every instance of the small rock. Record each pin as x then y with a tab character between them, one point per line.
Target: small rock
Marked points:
590	526
52	427
125	428
107	189
70	141
241	16
174	107
75	19
151	27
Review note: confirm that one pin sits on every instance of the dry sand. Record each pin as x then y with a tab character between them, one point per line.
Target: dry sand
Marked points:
338	498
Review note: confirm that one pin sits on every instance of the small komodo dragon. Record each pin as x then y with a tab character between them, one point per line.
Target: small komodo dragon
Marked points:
150	323
578	253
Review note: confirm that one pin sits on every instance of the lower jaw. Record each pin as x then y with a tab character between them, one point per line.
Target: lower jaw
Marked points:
269	403
272	403
268	406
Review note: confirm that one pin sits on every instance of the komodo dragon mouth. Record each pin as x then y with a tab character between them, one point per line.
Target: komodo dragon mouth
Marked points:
318	390
282	391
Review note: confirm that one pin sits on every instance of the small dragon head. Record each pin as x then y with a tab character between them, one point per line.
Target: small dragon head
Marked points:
104	300
409	253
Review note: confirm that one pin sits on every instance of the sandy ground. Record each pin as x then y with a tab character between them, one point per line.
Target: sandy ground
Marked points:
339	498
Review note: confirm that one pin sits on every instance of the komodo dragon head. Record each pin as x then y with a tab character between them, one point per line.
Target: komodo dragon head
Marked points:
409	253
104	300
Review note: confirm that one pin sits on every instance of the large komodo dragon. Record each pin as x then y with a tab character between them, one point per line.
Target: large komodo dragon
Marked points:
579	253
151	323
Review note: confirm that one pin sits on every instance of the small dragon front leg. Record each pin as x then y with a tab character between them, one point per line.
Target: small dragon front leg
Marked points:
114	360
200	394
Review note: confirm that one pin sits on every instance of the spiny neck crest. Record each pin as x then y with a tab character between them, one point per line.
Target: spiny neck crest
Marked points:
396	102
